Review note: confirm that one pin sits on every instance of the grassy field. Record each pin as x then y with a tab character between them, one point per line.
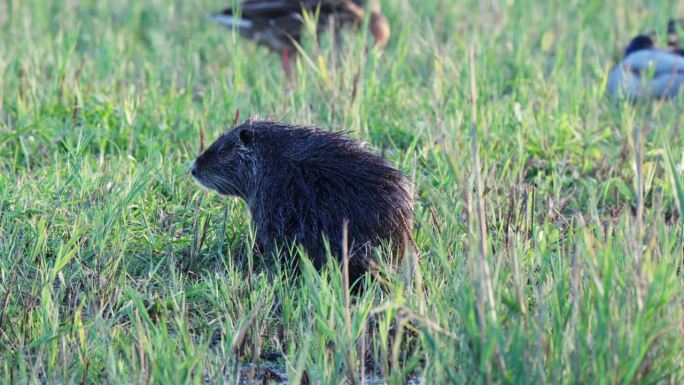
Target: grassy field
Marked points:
556	261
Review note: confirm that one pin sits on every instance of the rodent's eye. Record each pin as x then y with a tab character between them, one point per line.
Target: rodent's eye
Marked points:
225	151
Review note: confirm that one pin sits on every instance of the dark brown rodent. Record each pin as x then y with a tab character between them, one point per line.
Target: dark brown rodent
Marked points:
302	183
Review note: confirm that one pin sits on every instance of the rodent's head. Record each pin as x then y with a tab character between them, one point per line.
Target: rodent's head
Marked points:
227	166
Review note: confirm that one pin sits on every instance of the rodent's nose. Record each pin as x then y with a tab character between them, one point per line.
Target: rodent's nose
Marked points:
193	169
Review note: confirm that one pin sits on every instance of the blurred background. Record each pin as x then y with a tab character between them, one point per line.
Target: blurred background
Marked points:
116	268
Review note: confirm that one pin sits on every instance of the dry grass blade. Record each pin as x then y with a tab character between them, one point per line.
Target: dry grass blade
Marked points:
239	337
487	289
485	275
236	118
5	301
202	136
351	366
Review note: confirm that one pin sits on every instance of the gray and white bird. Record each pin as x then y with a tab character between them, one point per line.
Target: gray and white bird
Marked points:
647	72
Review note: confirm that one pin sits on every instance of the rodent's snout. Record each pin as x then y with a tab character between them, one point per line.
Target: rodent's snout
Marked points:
193	169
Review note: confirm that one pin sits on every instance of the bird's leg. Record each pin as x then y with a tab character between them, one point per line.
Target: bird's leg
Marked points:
379	28
287	62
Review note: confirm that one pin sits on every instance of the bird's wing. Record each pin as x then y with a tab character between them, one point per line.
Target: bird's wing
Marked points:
270	9
625	83
276	20
264	9
659	61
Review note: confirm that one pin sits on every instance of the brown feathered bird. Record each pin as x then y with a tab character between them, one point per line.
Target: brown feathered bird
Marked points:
278	24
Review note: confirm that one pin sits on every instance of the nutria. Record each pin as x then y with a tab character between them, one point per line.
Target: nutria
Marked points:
302	184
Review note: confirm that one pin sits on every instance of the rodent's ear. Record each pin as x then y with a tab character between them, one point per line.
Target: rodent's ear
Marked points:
246	136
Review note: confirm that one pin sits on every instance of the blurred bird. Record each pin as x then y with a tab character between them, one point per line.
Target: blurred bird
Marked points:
278	24
647	72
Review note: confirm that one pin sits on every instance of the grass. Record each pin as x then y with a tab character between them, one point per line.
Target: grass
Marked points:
116	268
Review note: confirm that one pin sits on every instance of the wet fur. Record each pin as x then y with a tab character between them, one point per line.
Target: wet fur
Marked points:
302	183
